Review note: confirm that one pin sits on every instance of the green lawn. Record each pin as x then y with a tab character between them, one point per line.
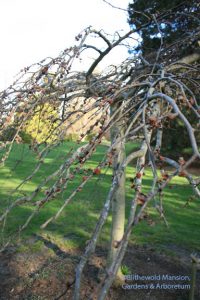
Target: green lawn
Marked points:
75	224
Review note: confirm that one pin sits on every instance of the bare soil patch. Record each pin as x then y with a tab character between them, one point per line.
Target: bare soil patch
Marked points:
46	275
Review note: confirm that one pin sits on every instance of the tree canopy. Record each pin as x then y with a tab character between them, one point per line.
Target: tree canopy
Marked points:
172	28
176	25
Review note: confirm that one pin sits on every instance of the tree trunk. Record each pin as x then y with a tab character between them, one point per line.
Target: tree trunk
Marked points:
118	201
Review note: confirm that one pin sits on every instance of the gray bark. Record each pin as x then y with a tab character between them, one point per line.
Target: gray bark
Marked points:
118	201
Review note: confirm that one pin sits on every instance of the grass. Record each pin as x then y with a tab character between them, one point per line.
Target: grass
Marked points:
76	223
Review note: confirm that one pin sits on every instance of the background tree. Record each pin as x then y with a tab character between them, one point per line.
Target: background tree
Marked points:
177	21
41	126
175	35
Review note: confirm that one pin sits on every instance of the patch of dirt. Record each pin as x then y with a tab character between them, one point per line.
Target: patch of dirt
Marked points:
46	275
194	171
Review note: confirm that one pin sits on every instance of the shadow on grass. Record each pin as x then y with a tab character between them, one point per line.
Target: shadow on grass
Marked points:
80	216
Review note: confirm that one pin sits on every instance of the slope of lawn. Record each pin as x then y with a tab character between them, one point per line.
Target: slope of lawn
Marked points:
76	223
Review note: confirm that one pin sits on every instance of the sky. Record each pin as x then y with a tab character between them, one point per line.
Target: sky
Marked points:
31	30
